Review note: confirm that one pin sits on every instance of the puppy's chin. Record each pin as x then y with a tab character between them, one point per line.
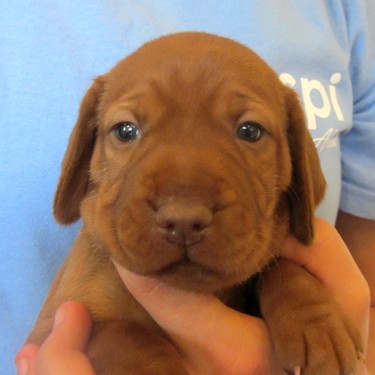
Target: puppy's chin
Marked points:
189	275
192	276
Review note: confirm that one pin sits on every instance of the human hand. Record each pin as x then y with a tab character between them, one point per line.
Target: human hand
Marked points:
331	262
63	351
213	339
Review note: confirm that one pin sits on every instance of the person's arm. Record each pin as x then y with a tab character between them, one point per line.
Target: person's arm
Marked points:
359	235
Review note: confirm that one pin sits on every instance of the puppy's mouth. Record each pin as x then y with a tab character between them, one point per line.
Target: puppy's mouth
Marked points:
189	274
184	263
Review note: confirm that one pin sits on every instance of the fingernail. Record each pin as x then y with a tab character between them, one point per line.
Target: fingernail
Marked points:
361	356
59	316
22	366
295	371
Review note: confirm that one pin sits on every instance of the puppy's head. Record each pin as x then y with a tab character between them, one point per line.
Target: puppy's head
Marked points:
191	162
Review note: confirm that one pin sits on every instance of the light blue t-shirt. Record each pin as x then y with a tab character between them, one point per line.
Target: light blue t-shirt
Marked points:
51	50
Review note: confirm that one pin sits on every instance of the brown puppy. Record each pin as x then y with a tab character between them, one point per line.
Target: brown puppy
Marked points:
191	162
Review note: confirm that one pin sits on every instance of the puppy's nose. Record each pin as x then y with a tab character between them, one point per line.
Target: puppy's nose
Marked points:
182	222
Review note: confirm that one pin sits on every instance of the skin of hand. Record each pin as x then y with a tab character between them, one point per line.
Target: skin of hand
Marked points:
212	338
63	351
359	235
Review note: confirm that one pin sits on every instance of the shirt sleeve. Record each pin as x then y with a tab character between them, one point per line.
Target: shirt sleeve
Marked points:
358	144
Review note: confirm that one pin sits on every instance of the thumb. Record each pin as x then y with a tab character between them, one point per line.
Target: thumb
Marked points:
208	334
71	327
62	352
171	307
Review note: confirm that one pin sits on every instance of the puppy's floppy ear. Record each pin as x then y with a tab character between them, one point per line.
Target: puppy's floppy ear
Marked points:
308	183
74	178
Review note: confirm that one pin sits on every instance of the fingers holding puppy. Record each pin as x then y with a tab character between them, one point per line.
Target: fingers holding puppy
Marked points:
63	351
330	261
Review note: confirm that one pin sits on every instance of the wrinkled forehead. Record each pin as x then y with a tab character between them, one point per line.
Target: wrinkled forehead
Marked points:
190	68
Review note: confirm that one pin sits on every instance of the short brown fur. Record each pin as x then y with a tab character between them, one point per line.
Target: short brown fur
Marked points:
189	93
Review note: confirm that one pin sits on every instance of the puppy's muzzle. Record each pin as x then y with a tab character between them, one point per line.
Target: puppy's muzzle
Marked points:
182	222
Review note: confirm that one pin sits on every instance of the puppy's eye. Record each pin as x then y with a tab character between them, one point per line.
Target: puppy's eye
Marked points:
127	131
250	131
